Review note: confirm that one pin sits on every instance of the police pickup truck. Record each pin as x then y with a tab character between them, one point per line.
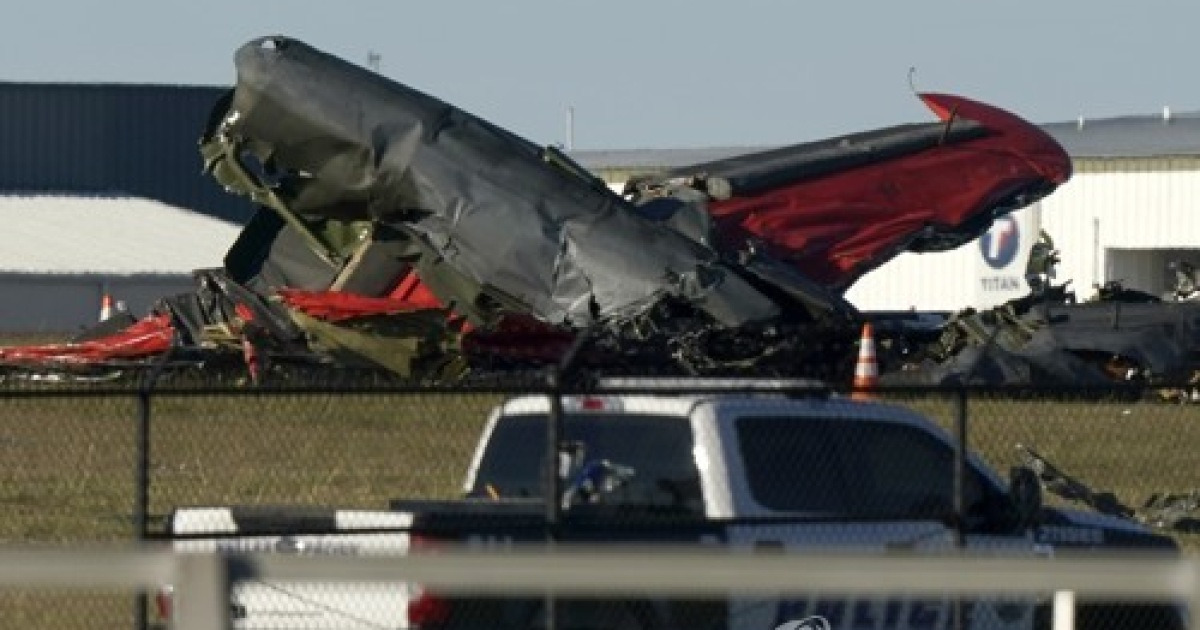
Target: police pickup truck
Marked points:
756	472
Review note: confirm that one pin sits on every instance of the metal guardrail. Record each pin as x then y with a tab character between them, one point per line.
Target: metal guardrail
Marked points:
203	578
202	582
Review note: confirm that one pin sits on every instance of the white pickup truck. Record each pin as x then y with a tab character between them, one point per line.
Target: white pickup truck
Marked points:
750	471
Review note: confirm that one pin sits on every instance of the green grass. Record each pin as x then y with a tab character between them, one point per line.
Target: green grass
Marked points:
67	468
68	463
67	610
357	451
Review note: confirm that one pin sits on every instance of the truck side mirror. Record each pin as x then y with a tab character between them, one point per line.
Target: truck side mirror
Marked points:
1025	494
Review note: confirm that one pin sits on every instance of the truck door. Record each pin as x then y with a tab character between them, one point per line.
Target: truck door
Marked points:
857	485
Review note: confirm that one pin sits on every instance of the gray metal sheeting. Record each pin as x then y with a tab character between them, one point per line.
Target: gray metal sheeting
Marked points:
126	140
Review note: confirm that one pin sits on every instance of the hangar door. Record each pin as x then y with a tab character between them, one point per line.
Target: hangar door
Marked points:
1146	269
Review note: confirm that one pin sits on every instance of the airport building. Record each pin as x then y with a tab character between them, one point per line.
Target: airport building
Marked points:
102	192
63	254
1131	208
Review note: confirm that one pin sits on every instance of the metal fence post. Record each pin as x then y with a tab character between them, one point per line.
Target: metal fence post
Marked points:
552	471
554	467
960	487
553	477
1194	603
960	467
202	588
1063	617
141	497
141	473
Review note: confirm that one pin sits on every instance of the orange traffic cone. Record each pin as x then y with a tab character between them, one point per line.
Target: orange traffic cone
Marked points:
866	371
106	306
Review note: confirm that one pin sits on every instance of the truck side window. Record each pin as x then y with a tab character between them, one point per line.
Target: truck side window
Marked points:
845	467
793	465
904	471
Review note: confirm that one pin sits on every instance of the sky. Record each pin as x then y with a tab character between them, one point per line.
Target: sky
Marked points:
659	73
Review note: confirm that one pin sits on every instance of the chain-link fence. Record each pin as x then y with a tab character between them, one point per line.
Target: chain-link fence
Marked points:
1114	452
68	476
294	469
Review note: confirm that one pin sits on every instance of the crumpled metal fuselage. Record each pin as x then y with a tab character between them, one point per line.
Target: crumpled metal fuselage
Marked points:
345	145
365	184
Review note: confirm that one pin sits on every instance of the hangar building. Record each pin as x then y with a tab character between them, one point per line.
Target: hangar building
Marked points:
111	140
101	191
1132	207
62	254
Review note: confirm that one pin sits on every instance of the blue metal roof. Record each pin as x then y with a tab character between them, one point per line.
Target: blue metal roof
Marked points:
111	139
1130	136
1124	136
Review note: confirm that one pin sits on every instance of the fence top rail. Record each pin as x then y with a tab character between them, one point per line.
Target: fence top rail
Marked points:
701	572
206	578
574	570
1122	391
86	567
133	391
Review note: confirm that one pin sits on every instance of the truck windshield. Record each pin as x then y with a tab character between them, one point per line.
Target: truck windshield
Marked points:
856	468
658	448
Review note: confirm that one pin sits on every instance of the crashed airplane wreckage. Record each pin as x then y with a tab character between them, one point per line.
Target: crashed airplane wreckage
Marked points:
397	231
1031	341
1178	511
1048	338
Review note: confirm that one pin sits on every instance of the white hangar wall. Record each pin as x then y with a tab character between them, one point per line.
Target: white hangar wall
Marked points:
943	281
981	273
1116	219
61	254
1125	219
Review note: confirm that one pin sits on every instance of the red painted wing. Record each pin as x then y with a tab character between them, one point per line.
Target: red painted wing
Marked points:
838	225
